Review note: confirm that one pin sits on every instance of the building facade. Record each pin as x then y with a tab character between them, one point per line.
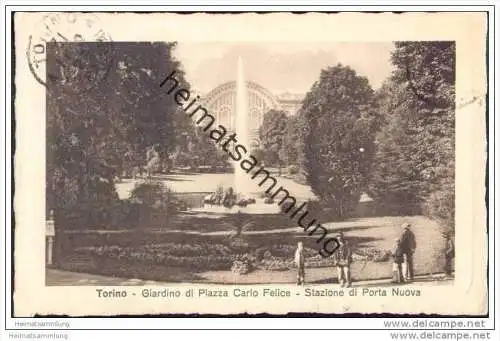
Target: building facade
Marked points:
221	103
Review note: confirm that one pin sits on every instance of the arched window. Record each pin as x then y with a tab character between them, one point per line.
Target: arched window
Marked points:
225	116
255	116
221	102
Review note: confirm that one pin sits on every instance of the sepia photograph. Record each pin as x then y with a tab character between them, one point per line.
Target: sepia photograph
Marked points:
321	170
260	163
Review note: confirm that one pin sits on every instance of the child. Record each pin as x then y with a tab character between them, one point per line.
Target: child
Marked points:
343	259
300	263
398	261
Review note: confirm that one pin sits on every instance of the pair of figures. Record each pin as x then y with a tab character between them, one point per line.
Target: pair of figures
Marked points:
403	265
342	259
402	254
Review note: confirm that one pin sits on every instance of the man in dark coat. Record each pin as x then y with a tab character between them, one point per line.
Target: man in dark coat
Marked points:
408	246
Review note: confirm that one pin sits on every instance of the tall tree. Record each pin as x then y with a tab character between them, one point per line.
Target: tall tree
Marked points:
337	129
272	136
206	151
103	102
291	143
396	179
151	115
414	163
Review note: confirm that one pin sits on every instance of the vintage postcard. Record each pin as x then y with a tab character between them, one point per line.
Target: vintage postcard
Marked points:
250	163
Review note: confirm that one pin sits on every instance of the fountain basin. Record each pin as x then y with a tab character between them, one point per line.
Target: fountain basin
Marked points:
195	201
259	207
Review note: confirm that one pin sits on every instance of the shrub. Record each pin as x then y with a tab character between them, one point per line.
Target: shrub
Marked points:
125	214
239	244
174	255
372	255
283	250
261	253
176	206
155	203
205	256
219	194
242	203
152	194
241	267
293	169
440	205
243	264
276	264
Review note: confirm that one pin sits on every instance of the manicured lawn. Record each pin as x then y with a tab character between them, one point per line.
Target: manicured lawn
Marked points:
367	236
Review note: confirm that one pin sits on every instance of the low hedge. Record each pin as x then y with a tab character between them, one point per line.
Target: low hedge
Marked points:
206	256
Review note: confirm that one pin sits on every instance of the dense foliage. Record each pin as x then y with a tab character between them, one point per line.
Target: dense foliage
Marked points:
194	147
414	164
104	109
272	137
291	141
337	130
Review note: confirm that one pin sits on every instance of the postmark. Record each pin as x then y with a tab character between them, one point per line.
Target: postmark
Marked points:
83	50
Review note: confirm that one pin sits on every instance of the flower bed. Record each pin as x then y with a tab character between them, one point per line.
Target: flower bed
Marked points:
372	254
276	264
173	256
238	256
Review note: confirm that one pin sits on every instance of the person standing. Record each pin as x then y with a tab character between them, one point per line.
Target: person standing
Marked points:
397	262
343	259
408	246
449	254
300	263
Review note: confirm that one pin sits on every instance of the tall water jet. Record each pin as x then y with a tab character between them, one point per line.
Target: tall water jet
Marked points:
242	181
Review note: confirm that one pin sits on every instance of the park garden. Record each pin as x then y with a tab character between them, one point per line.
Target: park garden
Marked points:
118	214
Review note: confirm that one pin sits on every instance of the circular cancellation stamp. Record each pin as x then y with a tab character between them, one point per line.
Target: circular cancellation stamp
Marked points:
83	65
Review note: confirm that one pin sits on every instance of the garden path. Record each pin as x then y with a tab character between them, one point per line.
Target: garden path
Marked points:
316	275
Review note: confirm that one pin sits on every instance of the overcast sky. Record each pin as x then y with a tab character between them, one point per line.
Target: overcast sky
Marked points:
280	67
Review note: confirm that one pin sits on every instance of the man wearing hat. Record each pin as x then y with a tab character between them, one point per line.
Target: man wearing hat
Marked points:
343	259
408	246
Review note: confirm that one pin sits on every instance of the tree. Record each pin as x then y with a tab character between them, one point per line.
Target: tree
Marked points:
152	116
200	149
291	145
337	130
272	134
414	163
103	104
396	179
